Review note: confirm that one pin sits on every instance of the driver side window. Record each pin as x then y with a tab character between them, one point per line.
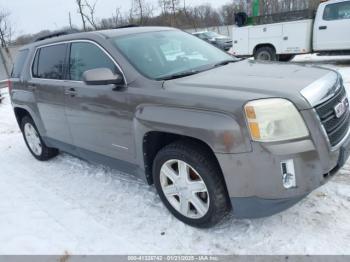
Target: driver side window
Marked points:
337	11
86	56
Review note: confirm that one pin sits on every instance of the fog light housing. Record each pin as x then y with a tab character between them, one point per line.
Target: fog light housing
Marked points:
288	174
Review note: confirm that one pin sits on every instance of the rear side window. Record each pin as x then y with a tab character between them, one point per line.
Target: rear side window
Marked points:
86	56
49	62
19	63
337	11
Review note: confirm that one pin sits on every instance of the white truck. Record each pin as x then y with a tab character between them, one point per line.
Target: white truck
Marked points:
327	34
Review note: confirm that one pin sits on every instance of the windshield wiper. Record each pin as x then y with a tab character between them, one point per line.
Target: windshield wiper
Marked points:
180	75
193	72
226	62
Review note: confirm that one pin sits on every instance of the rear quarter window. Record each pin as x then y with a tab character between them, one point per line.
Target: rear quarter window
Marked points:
19	63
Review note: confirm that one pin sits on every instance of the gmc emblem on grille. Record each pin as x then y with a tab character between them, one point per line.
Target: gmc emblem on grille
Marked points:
341	108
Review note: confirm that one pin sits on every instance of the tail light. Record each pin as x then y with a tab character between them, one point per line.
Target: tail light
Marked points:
9	85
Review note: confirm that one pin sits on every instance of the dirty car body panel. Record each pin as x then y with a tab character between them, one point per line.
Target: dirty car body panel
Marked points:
109	126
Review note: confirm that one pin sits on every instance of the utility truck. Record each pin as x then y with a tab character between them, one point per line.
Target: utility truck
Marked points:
326	32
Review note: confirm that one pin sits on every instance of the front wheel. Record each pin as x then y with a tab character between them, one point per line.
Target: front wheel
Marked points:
190	184
34	141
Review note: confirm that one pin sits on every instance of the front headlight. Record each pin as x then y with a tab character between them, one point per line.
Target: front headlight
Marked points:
274	119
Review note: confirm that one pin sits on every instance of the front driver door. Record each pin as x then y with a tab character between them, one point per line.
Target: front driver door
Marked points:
98	115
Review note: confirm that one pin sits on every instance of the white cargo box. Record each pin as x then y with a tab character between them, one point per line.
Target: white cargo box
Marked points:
287	37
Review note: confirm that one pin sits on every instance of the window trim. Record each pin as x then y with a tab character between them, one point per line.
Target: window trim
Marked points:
37	49
37	53
69	42
332	4
69	52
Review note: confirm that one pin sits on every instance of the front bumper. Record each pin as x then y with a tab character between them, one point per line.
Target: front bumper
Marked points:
254	179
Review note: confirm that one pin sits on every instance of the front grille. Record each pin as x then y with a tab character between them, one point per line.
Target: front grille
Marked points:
336	128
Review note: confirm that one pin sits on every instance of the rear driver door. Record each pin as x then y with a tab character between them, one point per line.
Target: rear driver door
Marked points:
47	84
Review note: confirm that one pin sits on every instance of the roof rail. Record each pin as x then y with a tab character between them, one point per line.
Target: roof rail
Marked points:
56	34
126	26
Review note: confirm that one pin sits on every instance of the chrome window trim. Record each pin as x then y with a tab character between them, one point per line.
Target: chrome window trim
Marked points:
68	42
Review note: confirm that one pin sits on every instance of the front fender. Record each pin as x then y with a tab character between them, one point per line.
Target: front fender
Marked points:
219	131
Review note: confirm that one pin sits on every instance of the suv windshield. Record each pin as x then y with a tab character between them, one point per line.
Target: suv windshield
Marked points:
161	55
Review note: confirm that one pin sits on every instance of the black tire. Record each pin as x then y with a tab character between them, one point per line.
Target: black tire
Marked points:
265	53
285	58
46	152
206	165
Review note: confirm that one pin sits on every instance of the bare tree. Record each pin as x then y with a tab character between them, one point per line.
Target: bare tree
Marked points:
227	13
175	6
141	11
70	21
170	7
6	29
188	16
81	12
117	17
87	13
90	16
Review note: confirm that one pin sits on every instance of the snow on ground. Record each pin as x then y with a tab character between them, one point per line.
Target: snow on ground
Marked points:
69	206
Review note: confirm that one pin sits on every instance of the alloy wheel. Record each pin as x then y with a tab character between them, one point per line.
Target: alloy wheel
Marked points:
33	139
184	189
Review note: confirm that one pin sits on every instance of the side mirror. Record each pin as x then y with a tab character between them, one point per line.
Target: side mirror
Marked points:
102	76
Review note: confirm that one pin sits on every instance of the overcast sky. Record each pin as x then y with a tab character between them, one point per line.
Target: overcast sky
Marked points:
31	16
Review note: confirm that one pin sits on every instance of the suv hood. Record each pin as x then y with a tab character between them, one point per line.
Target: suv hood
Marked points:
248	80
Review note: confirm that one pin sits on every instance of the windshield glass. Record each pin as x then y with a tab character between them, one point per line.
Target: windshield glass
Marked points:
158	55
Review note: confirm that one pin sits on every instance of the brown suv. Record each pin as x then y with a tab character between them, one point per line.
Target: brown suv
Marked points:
211	132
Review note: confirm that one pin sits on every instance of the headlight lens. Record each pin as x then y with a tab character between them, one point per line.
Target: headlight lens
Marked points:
274	119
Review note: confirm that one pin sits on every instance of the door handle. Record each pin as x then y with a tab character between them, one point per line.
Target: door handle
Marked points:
70	92
323	27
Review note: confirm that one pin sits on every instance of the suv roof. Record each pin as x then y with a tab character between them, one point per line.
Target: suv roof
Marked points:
110	33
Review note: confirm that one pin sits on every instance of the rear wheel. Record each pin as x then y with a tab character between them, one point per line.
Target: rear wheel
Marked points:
265	53
34	141
190	184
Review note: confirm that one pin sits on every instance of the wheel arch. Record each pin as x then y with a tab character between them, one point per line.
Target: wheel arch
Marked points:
154	141
157	126
264	45
20	113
